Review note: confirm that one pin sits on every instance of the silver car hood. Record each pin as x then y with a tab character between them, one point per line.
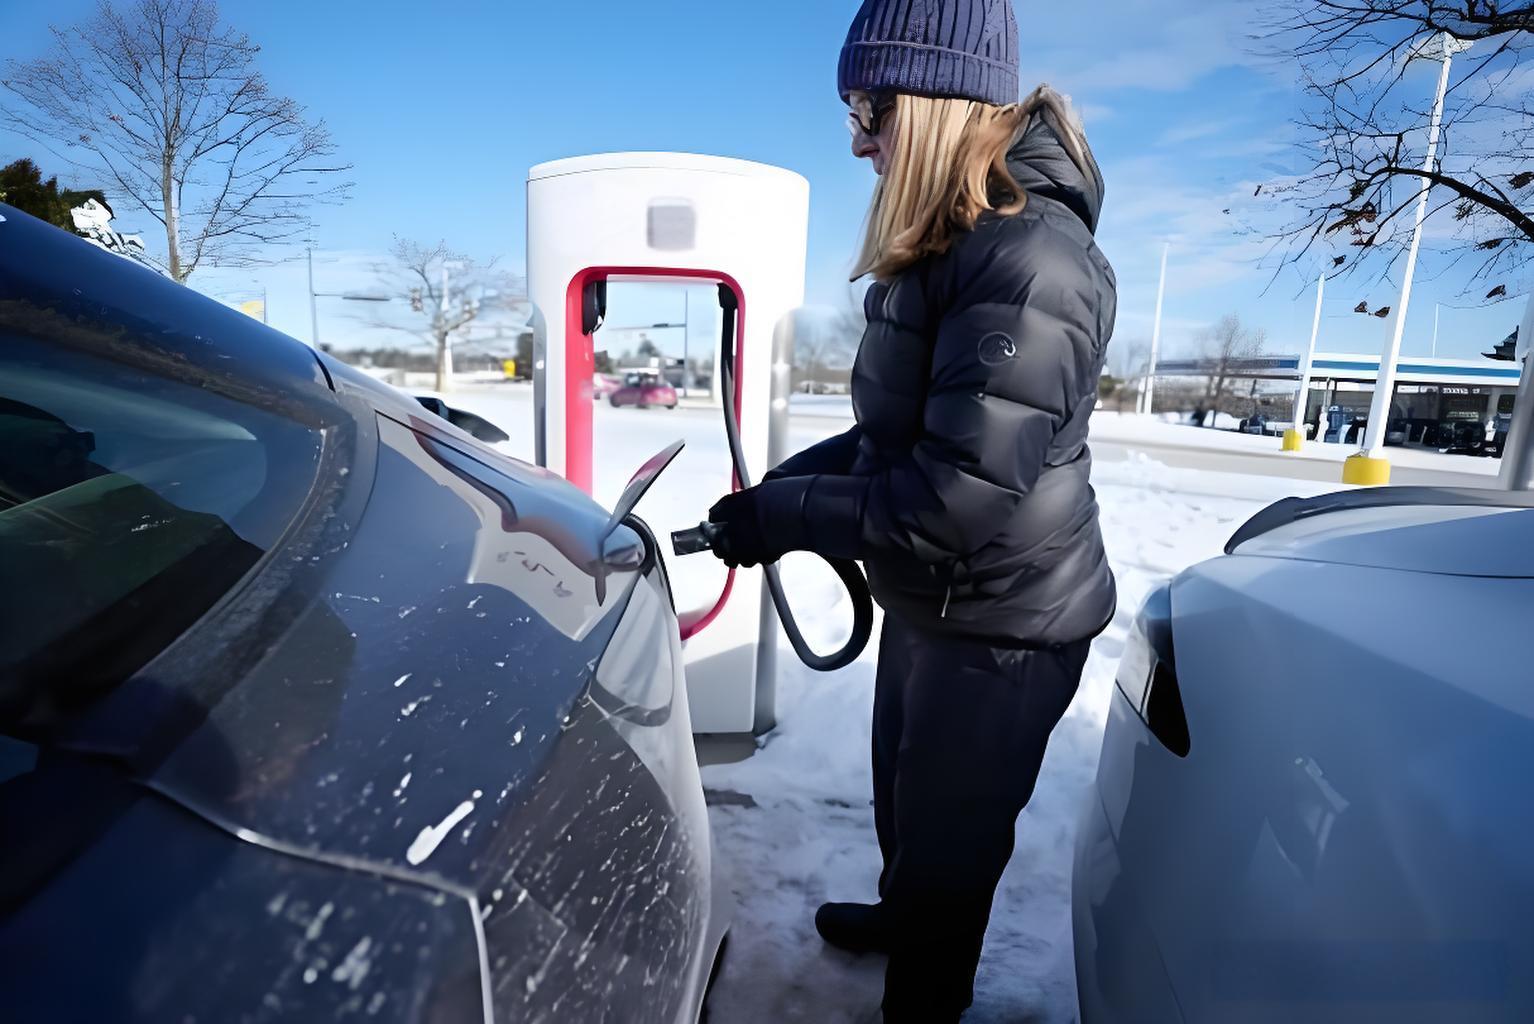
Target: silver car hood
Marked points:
1460	540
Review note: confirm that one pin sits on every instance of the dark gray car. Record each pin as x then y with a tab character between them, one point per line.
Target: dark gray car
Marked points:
314	707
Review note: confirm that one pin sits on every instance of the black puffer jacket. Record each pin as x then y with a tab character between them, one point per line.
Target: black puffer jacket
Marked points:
965	487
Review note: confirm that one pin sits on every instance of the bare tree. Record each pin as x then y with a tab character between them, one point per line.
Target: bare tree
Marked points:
1363	130
1130	361
1225	345
446	291
1129	358
163	104
826	343
816	349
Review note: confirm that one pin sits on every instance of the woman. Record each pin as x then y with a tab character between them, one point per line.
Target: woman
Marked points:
964	488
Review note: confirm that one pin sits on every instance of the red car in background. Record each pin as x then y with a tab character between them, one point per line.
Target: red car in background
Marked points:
604	384
644	390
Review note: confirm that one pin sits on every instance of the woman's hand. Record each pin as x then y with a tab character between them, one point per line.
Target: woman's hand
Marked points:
761	524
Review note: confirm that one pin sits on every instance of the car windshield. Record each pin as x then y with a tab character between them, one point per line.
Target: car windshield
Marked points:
129	504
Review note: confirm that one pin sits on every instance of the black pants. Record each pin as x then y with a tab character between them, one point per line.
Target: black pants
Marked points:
958	736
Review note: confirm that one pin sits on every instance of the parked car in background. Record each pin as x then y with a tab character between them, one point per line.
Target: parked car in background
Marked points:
1462	437
1262	424
644	390
1310	806
604	384
313	707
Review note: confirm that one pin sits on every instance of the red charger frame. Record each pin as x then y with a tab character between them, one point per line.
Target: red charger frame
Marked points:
580	367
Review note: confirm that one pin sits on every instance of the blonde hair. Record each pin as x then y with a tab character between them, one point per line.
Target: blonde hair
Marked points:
948	165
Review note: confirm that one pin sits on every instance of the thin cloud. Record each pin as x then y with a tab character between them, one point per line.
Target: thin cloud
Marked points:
1194	130
1162	47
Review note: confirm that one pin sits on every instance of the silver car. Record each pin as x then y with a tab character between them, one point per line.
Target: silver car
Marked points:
1314	799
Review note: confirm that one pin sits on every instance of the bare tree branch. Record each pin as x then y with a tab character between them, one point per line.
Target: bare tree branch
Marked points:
165	102
444	291
1364	131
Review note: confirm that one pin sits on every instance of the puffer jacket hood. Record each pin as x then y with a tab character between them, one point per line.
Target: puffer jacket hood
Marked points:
1043	166
965	487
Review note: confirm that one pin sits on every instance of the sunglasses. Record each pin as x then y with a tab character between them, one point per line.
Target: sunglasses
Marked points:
869	111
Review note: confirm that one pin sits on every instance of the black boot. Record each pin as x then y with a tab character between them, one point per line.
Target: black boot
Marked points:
855	927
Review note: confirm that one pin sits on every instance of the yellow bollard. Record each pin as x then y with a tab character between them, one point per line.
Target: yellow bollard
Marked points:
1366	472
1293	441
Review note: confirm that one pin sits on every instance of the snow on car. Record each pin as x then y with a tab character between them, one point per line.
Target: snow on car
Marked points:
312	705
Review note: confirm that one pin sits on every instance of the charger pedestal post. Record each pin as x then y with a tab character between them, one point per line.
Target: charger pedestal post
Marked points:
1518	456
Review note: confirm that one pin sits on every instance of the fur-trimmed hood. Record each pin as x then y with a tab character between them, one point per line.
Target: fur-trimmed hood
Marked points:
1051	157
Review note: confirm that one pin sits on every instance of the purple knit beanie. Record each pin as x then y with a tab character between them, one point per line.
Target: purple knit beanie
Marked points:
960	49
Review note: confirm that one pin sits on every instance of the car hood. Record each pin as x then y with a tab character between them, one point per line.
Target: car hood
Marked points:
1491	540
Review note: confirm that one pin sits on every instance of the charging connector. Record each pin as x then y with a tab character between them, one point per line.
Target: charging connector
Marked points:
702	537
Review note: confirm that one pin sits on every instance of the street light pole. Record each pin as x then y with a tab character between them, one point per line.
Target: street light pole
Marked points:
1369	466
314	297
686	365
314	311
1294	438
1148	393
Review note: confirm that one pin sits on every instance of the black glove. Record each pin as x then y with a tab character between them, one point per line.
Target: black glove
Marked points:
761	524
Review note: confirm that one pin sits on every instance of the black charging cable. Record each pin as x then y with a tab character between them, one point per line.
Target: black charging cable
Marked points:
703	536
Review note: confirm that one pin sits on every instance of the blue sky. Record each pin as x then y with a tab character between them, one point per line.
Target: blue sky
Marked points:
442	107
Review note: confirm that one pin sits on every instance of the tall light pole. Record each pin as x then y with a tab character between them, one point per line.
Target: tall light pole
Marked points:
314	312
1370	466
686	366
314	296
1294	438
1148	393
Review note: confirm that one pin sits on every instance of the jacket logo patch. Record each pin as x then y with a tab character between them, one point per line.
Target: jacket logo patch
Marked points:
996	348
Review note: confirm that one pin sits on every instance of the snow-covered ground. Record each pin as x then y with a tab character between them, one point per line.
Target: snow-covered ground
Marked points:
806	835
793	821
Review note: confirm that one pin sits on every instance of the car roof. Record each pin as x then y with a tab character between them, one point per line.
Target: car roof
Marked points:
60	288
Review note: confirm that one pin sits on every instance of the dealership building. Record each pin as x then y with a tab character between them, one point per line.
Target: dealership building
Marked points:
1429	392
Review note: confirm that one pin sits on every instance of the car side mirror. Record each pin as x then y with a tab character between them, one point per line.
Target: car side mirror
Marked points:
475	426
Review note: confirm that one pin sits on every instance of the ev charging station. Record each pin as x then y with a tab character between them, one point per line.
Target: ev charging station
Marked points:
677	218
